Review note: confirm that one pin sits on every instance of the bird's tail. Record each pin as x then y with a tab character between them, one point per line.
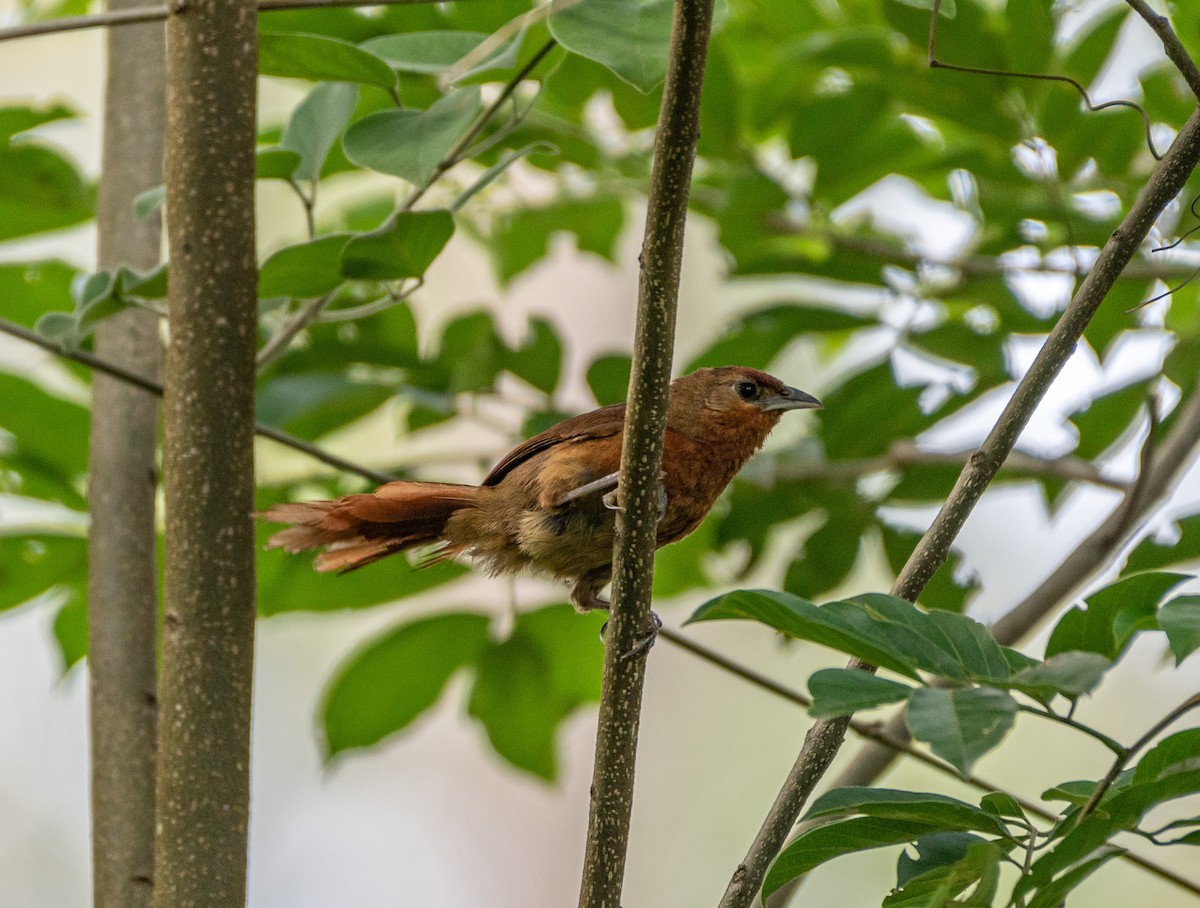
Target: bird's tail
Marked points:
359	529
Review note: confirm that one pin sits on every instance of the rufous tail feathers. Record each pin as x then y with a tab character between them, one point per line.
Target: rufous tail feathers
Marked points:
359	529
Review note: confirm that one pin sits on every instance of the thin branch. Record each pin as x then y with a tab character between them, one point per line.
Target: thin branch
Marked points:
278	343
1127	754
160	13
1112	744
906	454
153	387
1174	48
641	457
825	737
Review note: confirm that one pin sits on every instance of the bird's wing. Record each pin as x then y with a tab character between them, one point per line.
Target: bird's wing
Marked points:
602	423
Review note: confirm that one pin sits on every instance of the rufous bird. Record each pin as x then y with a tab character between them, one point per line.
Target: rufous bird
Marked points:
547	507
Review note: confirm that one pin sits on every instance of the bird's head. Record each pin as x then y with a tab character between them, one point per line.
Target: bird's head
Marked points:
733	396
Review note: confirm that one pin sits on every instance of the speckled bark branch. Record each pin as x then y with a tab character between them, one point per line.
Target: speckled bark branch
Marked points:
208	629
122	558
641	460
826	735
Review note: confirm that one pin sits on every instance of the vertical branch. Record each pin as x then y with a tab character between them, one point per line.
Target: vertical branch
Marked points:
641	456
208	631
122	570
825	737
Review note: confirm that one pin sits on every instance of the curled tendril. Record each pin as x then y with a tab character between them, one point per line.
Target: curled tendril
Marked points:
935	63
1195	214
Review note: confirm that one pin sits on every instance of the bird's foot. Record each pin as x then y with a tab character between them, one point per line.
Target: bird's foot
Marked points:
647	639
610	499
643	643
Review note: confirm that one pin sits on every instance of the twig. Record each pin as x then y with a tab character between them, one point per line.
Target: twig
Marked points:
641	456
160	13
826	735
1124	755
153	387
1174	48
278	343
1112	744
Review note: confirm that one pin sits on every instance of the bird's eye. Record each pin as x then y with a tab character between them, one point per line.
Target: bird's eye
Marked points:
746	390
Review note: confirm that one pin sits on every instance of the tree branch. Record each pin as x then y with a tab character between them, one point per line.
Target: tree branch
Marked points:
141	14
825	736
203	795
641	456
122	480
1174	48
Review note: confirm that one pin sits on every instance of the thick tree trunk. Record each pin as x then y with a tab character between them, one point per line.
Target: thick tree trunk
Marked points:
208	629
122	570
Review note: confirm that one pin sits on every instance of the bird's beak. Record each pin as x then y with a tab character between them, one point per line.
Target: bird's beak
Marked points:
790	399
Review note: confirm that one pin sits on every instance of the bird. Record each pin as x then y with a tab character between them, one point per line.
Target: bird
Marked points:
548	506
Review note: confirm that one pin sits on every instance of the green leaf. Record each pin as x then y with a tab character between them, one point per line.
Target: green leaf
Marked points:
539	358
521	238
1113	615
388	683
1055	893
948	879
1180	620
305	270
829	556
31	289
629	37
1176	753
1030	39
529	683
32	563
311	404
756	339
490	175
70	628
1150	555
150	200
429	52
21	118
412	144
49	448
843	691
40	190
812	849
315	125
1070	674
404	247
276	163
1108	418
608	378
871	398
321	59
924	807
799	618
948	8
960	726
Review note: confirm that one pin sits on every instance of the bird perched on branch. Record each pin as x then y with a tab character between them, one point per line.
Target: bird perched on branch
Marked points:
547	507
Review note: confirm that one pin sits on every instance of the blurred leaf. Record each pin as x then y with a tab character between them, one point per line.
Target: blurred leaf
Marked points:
32	563
304	270
312	404
40	190
539	358
49	450
321	59
1030	39
1113	615
529	683
150	200
630	37
31	289
942	591
315	125
870	399
1108	418
1180	619
608	378
388	683
521	238
757	338
1150	555
273	164
404	247
71	627
425	51
843	691
492	173
21	118
960	726
829	555
411	144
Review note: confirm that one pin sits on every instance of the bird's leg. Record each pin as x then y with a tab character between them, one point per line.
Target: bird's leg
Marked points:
610	498
585	594
603	484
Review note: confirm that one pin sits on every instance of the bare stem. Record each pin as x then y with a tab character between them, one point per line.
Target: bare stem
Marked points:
1174	48
826	735
641	456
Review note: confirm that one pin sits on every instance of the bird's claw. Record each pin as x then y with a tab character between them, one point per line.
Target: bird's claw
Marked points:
610	500
644	642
